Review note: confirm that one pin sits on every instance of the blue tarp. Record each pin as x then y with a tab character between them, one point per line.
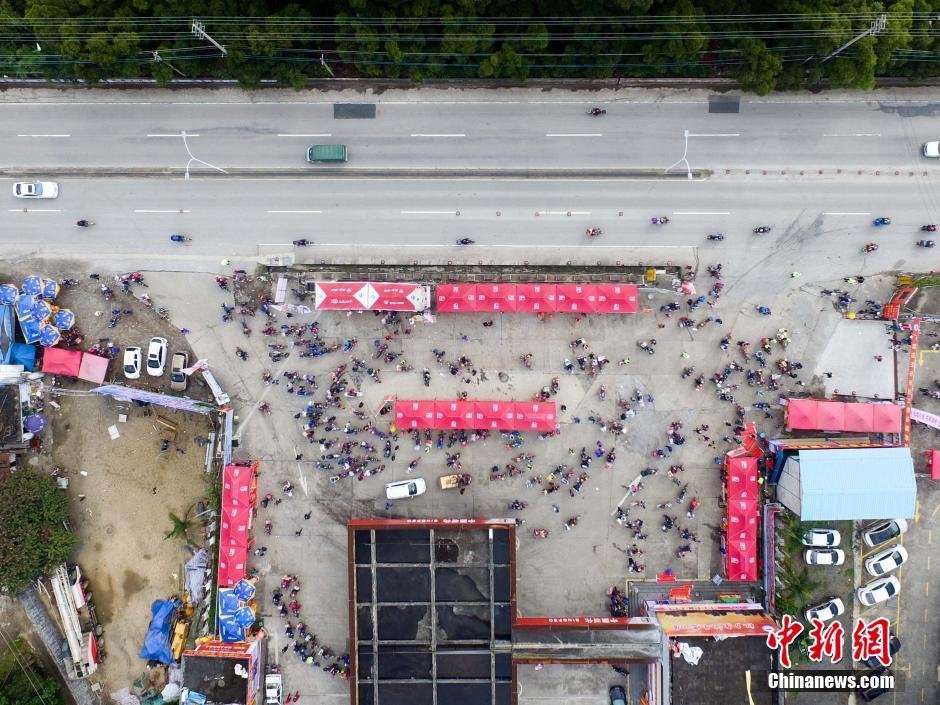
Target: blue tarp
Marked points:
23	354
157	642
7	334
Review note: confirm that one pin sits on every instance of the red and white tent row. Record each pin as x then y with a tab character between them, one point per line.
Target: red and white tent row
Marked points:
238	499
537	298
492	415
371	296
862	417
743	493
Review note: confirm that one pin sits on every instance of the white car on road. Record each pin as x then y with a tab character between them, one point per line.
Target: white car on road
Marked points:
825	538
887	560
36	189
156	357
879	590
132	360
932	149
405	489
825	611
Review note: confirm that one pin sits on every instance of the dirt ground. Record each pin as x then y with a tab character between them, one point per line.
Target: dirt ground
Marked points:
128	486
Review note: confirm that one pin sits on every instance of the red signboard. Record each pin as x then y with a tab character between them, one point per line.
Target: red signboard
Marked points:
579	622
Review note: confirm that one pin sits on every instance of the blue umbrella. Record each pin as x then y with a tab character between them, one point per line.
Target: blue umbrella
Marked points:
32	285
50	288
245	617
34	423
41	310
30	331
8	294
228	602
230	631
24	307
49	335
64	319
244	590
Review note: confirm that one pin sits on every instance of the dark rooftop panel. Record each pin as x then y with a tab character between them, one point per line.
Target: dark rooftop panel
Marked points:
464	664
402	546
404	622
366	694
363	585
403	662
464	693
463	622
500	547
406	694
363	547
364	623
403	584
462	585
501	584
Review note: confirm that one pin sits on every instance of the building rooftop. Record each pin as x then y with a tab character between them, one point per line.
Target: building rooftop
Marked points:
216	678
719	676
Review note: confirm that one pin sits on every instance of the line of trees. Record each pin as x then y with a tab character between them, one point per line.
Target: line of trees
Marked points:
491	39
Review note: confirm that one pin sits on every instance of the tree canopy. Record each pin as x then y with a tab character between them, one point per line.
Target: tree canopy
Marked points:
33	533
800	42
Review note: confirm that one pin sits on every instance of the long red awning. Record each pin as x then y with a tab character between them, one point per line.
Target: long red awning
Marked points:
501	415
576	298
496	297
536	298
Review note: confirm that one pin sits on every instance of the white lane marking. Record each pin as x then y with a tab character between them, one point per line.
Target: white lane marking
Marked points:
44	135
715	134
293	211
427	212
573	134
456	134
563	212
34	210
846	213
177	210
177	134
701	213
312	134
857	134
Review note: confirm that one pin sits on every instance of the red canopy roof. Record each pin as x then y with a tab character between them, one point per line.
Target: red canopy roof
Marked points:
414	414
535	416
536	297
376	296
741	561
801	414
456	297
235	527
616	298
886	418
496	297
494	414
742	523
858	417
576	297
454	414
742	478
233	563
830	415
398	296
237	486
57	361
933	464
94	368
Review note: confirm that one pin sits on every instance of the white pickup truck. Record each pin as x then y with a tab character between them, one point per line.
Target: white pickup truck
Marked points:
272	689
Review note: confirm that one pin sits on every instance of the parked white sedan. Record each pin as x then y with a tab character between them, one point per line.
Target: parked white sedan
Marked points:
825	611
887	560
878	590
132	357
156	357
36	189
824	556
822	537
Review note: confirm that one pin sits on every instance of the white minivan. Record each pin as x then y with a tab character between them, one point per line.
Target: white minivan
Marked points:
405	489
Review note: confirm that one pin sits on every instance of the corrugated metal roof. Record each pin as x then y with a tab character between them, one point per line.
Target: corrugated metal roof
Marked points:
857	483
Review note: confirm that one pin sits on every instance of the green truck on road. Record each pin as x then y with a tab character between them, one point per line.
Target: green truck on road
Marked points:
327	153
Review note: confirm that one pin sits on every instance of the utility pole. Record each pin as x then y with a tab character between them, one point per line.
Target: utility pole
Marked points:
326	66
199	29
157	59
877	26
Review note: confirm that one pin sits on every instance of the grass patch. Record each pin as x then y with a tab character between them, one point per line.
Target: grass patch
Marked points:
926	281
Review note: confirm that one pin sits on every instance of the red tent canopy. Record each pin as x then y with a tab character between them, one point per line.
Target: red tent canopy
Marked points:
237	486
933	464
57	361
741	561
535	416
94	368
456	297
536	297
494	414
858	417
616	298
232	565
742	478
339	296
235	528
886	418
496	297
414	414
576	297
454	414
743	524
399	296
830	415
801	414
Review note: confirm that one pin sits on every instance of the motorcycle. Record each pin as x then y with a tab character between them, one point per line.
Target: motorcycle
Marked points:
595	112
693	505
717	237
879	222
176	237
540	533
762	310
593	232
763	229
683	551
84	223
303	242
107	292
925	243
659	220
241	354
681	498
426	376
526	360
518	505
687	372
268	526
465	241
928	228
602	392
870	247
68	283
